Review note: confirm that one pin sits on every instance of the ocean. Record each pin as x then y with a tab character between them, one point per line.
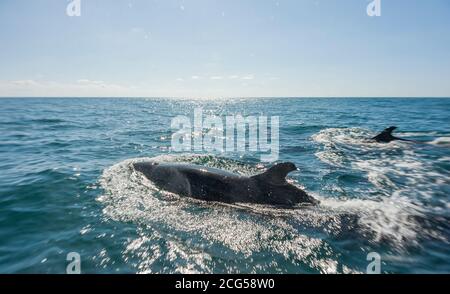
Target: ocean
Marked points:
66	186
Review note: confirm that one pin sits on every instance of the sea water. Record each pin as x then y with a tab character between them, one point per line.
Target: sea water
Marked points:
67	185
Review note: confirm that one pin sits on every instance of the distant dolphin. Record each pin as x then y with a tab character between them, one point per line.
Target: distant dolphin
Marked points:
212	184
386	136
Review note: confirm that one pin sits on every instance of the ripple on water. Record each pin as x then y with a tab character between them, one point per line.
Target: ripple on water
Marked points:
187	235
401	182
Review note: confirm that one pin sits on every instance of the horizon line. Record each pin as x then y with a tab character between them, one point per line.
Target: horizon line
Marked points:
220	98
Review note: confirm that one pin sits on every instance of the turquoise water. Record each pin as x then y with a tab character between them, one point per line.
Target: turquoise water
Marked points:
66	186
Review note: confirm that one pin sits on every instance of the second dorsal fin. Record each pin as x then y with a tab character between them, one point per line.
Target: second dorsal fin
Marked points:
389	130
277	173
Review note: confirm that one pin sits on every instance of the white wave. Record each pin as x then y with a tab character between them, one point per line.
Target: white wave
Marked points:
357	139
345	136
129	196
401	179
417	134
245	229
388	219
441	141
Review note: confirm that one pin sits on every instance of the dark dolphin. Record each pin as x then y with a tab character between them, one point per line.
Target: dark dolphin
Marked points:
212	184
386	136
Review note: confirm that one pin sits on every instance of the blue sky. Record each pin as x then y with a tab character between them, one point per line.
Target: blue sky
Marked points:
225	48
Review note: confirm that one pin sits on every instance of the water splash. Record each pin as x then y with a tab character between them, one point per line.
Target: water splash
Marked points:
400	183
243	231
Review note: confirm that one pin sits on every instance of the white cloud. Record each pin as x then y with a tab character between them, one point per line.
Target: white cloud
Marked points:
229	77
137	30
87	82
248	77
79	88
25	83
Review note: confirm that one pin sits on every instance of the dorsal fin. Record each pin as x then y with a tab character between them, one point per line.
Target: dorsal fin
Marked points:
385	136
277	173
389	130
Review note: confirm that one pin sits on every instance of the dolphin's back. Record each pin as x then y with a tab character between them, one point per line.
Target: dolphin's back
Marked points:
209	186
192	168
194	181
386	136
212	184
